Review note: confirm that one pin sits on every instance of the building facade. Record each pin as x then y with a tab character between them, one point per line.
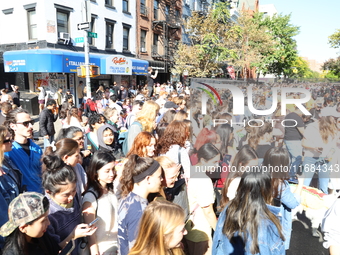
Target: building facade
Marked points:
43	30
158	33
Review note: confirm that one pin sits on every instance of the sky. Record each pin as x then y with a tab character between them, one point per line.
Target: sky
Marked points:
317	20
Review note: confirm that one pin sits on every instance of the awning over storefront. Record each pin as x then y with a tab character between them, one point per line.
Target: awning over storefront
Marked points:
158	65
63	61
139	67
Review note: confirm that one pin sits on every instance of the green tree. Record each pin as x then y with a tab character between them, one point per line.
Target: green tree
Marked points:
332	66
207	32
334	39
281	60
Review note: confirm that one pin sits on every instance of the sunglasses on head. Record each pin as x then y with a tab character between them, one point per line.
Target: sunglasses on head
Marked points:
7	141
26	123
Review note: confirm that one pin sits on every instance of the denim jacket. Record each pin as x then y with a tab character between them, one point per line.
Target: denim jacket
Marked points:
288	201
270	242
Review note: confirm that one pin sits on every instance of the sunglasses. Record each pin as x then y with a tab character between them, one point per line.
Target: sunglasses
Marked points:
26	123
7	141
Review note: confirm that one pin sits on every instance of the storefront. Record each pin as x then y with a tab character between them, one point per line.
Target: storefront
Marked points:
53	68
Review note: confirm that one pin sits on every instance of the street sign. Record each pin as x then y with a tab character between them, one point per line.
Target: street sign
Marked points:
79	39
91	34
83	26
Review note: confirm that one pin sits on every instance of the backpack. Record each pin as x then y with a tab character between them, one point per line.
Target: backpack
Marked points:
123	138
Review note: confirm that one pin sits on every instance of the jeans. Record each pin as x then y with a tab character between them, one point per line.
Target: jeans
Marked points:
150	91
311	165
47	142
295	152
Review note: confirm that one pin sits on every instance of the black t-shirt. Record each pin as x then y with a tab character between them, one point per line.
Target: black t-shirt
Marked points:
149	80
26	147
292	133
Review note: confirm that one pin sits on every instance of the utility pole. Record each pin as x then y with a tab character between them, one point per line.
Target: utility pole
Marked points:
87	49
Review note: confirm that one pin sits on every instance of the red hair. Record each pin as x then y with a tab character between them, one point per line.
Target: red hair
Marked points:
176	132
142	140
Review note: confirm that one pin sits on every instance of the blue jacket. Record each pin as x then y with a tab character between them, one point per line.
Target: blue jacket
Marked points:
30	166
288	201
10	188
269	240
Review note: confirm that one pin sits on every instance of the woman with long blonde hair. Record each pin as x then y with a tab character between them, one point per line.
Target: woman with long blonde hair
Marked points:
161	230
145	121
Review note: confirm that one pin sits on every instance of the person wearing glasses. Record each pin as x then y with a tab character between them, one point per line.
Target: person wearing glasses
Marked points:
25	153
10	178
46	122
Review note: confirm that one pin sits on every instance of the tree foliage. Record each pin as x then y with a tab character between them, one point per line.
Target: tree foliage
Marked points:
259	42
332	66
334	39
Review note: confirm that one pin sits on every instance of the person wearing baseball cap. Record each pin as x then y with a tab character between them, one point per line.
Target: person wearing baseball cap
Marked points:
27	225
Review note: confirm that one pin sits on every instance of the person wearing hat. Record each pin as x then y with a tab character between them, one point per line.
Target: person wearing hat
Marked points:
169	105
27	225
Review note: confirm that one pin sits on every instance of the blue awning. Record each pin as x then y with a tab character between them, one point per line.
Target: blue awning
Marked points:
58	61
139	67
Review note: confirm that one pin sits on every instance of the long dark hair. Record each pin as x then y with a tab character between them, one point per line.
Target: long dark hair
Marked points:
99	159
16	241
249	208
56	173
242	158
224	131
277	159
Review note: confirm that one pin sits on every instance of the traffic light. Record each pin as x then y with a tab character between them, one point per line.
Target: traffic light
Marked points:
94	71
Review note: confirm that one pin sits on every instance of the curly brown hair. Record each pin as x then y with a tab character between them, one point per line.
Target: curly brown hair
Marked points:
176	133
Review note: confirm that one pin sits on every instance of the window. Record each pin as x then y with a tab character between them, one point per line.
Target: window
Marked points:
125	5
177	13
155	9
143	40
109	2
32	24
90	39
109	35
143	9
62	22
167	10
155	44
126	31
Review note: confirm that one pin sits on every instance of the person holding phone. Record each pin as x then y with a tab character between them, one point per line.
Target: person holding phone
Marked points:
60	184
99	204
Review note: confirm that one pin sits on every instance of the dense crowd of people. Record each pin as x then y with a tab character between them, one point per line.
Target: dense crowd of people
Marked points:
160	176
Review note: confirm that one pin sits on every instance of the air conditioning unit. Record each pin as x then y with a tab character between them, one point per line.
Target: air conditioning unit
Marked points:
142	49
65	36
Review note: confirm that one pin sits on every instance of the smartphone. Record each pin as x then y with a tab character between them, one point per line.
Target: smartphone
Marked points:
93	222
68	248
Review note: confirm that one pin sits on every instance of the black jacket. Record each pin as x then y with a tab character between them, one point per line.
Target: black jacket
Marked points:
46	122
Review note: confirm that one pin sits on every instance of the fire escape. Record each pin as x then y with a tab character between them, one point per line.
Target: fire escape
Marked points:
167	24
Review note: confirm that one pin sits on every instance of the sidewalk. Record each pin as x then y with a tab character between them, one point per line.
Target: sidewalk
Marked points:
40	140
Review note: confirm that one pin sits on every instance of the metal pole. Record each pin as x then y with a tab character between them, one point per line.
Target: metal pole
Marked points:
87	50
87	65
